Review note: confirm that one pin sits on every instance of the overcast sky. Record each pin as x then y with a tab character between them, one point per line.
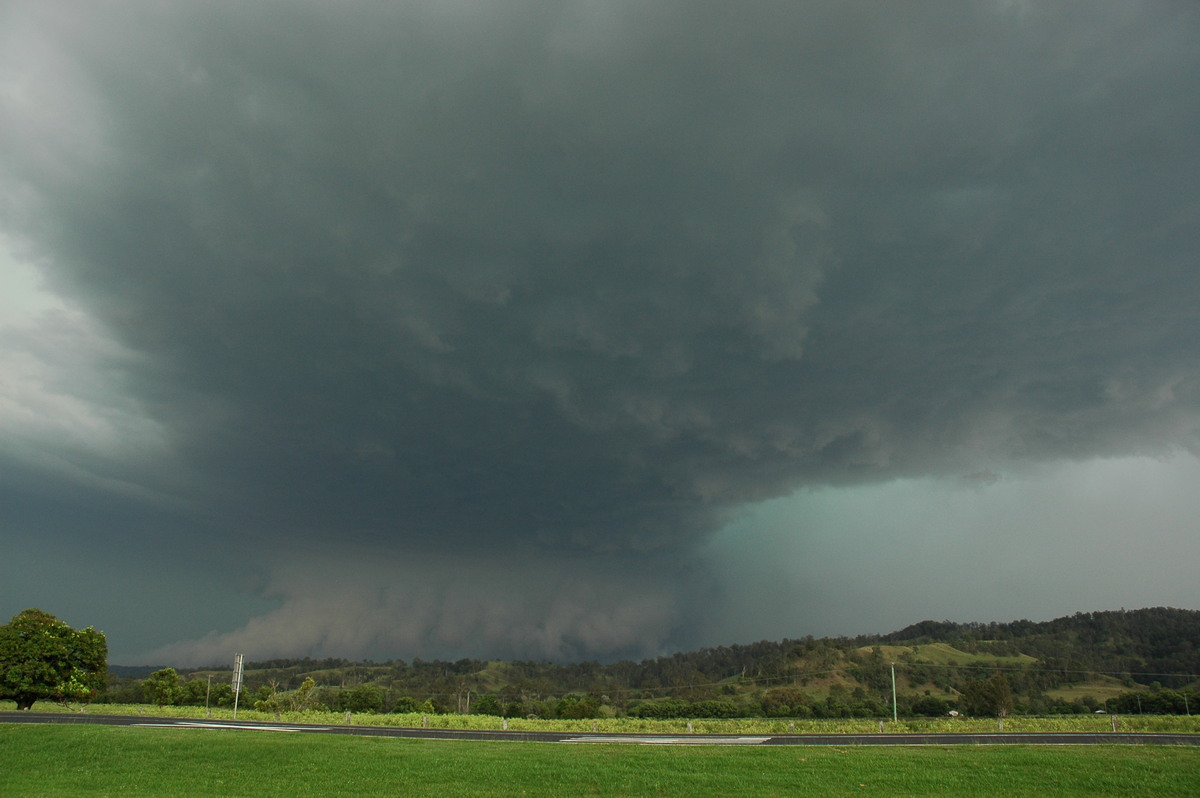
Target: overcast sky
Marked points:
590	328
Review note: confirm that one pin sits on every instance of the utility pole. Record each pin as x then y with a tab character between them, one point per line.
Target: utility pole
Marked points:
895	719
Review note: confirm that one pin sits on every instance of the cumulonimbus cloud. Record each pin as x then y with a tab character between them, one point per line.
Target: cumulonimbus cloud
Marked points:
539	275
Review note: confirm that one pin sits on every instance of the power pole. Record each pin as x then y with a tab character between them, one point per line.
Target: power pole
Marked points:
895	719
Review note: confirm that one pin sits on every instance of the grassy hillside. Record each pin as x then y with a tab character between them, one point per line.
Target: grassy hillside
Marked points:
946	654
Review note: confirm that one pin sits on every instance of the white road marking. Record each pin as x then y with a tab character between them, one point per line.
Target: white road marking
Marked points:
692	740
210	725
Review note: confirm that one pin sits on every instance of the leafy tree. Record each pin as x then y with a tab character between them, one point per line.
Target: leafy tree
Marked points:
713	709
363	698
299	700
991	696
304	698
222	694
193	692
577	707
42	657
162	687
667	708
929	706
487	704
786	702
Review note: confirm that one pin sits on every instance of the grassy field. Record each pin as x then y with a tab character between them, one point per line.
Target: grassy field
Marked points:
1101	689
945	654
1066	723
69	760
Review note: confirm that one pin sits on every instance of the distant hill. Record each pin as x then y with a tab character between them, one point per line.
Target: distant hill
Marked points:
132	671
1143	643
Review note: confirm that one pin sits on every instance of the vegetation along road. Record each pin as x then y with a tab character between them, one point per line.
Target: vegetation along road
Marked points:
1015	738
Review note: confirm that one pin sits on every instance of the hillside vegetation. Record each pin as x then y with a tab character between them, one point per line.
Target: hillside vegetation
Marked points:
1122	661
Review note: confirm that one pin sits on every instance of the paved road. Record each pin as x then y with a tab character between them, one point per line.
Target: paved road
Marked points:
631	739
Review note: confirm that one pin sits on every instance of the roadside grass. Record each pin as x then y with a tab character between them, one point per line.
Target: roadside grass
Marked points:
86	760
1179	724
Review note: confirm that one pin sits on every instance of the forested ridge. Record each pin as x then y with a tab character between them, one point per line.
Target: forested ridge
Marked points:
1082	662
1157	644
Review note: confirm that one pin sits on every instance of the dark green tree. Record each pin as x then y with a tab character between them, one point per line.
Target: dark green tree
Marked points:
163	688
42	657
991	696
363	698
193	692
786	702
487	704
577	706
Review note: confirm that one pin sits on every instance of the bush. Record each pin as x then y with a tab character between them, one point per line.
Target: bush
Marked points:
713	709
487	705
930	707
787	702
575	707
669	708
364	698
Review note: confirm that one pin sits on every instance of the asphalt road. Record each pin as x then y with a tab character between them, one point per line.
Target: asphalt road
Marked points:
1117	738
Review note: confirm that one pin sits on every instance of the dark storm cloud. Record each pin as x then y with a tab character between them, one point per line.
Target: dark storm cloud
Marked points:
549	276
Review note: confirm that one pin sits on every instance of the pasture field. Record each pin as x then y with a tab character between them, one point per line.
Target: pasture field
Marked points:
1101	688
1185	724
85	760
945	654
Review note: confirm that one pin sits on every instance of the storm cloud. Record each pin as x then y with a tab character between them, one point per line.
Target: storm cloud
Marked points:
465	326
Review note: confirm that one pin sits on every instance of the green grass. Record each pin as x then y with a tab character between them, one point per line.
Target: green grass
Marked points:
1102	689
945	654
70	760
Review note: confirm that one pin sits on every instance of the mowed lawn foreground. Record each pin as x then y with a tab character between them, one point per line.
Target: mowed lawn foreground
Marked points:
116	761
